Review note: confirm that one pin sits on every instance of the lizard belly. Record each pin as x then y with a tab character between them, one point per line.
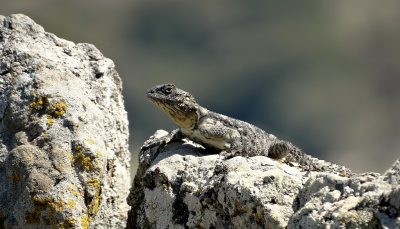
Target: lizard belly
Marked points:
198	137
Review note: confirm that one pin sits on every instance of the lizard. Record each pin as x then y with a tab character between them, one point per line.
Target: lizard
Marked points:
229	136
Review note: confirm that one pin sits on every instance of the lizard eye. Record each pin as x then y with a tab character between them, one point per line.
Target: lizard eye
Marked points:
168	90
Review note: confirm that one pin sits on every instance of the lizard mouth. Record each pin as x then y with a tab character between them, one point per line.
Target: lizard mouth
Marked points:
150	91
152	95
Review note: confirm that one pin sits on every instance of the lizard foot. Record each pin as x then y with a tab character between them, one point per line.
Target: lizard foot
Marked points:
154	142
158	140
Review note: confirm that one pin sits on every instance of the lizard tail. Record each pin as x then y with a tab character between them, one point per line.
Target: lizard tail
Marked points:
310	163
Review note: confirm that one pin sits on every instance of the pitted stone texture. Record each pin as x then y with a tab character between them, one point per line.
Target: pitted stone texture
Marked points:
187	187
64	159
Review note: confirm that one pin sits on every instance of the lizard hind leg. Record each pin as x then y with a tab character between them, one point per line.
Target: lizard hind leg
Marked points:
279	150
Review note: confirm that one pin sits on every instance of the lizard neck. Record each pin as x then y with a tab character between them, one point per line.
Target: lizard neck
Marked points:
186	119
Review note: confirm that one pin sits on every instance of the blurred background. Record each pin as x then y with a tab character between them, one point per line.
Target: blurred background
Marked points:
324	75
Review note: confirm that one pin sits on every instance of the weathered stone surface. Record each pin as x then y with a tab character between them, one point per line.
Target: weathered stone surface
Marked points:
64	160
182	186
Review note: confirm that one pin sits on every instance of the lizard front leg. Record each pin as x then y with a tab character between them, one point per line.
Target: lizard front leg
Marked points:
220	137
151	147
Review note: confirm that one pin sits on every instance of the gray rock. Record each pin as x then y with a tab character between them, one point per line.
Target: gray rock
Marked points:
184	186
64	159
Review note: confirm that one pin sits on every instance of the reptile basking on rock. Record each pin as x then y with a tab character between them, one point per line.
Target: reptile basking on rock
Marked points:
229	136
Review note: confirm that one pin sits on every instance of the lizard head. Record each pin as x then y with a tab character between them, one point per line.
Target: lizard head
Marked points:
179	105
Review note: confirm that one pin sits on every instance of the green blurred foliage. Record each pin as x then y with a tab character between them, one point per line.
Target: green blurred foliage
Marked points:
321	74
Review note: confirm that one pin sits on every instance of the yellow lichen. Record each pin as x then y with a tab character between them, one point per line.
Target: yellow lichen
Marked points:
32	217
75	193
93	182
45	134
78	148
99	153
152	206
343	220
58	109
5	114
85	222
87	162
73	190
57	205
71	203
50	121
36	200
15	178
79	158
95	204
90	141
69	221
12	79
40	205
43	101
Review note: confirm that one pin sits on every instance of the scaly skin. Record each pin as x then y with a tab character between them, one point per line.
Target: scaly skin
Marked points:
230	136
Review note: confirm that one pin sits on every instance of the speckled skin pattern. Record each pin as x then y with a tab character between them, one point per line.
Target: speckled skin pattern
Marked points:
229	136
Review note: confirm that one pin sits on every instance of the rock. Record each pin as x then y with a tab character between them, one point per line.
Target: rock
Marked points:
182	185
64	159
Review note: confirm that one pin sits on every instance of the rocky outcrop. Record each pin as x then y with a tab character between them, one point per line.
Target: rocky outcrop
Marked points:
182	185
64	160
